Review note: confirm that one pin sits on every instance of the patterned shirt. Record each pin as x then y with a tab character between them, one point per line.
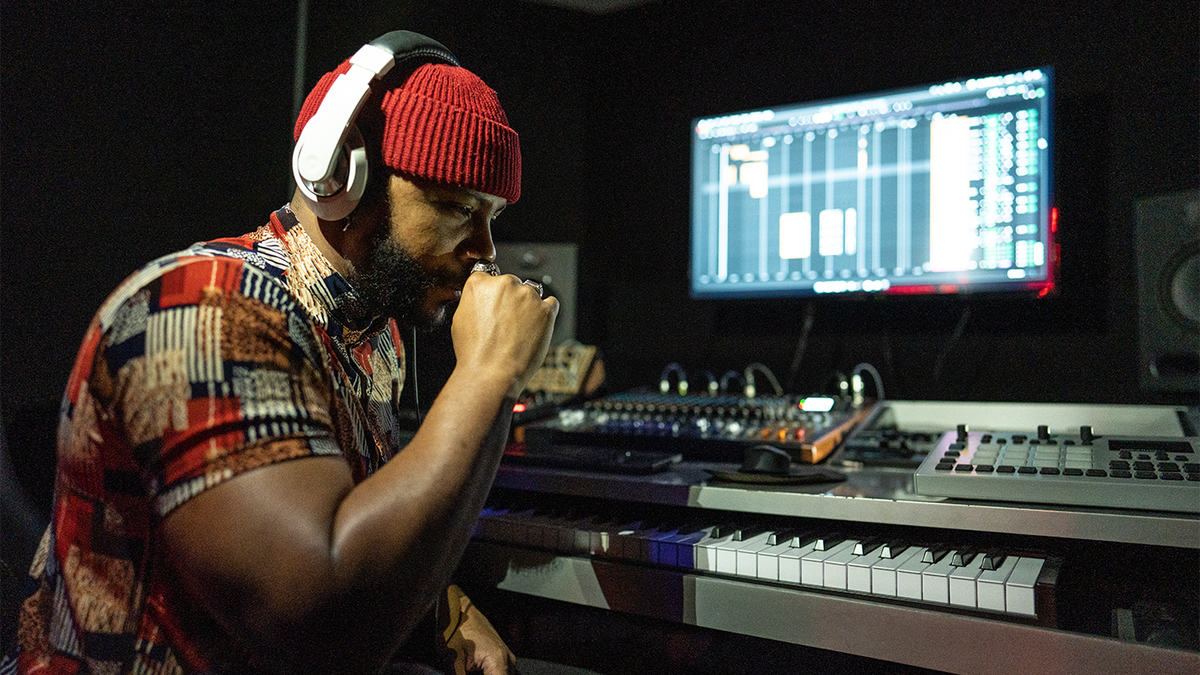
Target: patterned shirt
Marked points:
230	355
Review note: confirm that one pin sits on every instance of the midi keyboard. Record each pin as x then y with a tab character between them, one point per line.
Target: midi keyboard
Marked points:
1145	473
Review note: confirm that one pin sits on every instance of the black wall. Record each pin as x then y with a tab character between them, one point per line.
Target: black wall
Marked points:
135	129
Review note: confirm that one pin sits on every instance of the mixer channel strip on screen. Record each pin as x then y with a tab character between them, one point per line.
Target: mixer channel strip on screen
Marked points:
701	427
1145	473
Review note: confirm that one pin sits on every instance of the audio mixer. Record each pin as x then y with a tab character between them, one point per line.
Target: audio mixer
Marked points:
701	427
1148	472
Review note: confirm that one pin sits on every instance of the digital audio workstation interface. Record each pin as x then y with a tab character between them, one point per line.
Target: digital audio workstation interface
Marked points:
935	189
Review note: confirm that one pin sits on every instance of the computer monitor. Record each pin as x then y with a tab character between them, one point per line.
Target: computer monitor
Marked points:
937	189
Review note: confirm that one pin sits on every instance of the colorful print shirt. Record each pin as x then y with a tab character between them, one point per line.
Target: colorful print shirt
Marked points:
230	355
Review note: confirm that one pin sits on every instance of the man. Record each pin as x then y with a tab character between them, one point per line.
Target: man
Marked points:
232	493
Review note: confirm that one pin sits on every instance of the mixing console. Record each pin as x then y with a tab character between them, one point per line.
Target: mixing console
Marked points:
701	427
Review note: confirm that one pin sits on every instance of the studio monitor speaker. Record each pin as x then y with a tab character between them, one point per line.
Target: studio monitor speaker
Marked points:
1168	257
554	265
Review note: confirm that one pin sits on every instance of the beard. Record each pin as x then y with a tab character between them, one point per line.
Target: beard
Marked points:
392	283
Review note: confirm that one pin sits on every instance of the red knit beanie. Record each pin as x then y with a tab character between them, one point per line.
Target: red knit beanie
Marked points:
443	124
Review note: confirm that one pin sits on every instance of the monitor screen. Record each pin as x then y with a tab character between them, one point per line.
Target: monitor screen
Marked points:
937	189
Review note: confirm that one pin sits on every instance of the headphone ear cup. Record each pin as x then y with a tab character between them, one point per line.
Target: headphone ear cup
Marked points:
337	197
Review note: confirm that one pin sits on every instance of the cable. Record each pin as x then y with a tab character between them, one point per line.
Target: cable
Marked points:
751	392
954	338
801	346
711	386
858	381
729	375
664	384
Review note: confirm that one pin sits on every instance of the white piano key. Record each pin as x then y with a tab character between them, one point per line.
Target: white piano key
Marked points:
581	543
767	561
935	580
704	552
605	539
622	538
908	575
789	562
883	573
835	565
676	549
661	545
962	582
858	571
812	565
637	545
1018	589
746	554
989	585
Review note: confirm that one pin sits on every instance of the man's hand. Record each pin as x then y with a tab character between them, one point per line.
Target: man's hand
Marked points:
502	329
475	644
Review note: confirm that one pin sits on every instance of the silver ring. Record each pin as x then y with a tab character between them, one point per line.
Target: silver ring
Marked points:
487	266
534	285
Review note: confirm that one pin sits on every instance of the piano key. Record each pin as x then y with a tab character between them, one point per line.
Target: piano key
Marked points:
835	566
992	560
935	580
962	582
623	538
893	549
858	570
827	542
767	559
908	575
747	554
883	573
789	559
783	536
1018	589
606	539
580	531
934	553
989	585
705	550
963	556
727	552
867	545
676	548
637	544
812	566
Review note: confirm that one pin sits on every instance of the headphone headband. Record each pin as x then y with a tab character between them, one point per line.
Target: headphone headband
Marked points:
330	171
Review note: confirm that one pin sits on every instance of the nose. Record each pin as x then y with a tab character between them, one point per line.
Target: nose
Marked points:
479	246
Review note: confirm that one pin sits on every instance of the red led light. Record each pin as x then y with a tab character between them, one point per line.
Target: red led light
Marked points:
519	407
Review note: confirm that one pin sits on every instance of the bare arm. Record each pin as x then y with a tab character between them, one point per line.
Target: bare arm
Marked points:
321	575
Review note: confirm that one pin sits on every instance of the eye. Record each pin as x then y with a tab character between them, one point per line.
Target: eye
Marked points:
456	208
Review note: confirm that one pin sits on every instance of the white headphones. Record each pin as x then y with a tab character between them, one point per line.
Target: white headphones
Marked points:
329	163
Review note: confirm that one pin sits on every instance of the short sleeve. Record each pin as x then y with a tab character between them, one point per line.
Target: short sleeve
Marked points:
208	371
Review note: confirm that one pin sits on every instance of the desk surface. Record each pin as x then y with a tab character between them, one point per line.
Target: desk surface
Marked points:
868	495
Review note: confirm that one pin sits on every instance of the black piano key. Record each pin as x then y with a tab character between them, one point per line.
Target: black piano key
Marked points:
744	533
828	541
803	539
867	545
783	536
893	549
992	560
963	557
934	553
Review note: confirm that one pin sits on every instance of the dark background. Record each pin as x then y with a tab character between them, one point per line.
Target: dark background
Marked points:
130	132
134	129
